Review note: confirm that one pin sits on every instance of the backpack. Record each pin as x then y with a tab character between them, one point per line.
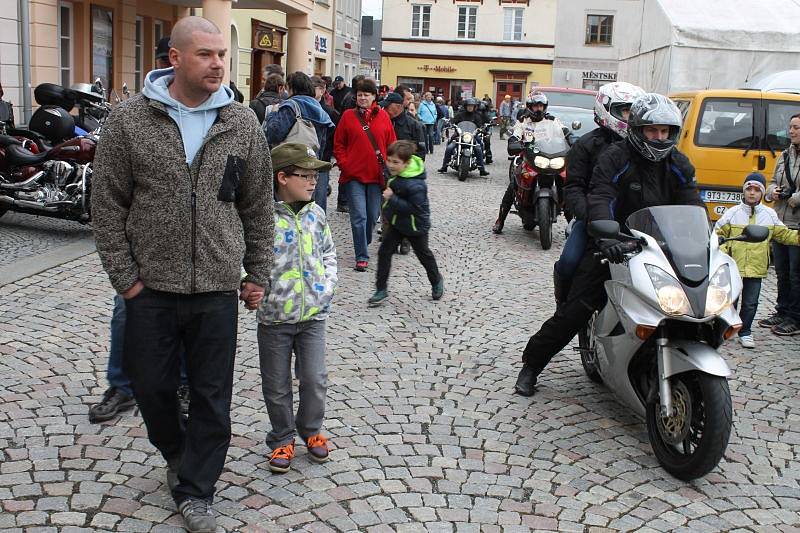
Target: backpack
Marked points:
303	131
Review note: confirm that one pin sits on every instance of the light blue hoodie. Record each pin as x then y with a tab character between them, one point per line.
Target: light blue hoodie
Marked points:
193	122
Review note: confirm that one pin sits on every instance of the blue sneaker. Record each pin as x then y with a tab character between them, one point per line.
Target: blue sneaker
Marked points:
377	298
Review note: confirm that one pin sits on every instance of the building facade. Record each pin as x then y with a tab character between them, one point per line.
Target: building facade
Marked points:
588	43
74	41
347	39
469	47
371	31
324	17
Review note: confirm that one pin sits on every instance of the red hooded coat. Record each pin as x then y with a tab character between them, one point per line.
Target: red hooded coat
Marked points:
352	148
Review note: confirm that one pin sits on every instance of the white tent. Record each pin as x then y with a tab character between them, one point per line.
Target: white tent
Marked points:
709	44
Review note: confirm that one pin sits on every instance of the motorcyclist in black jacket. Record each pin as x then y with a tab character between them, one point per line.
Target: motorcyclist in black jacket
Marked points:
611	109
470	113
644	170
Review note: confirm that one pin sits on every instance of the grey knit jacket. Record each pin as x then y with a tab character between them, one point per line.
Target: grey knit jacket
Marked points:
178	228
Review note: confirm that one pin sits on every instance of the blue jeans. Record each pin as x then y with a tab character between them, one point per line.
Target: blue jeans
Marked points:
451	147
437	134
787	269
748	303
430	130
114	373
573	251
365	208
321	190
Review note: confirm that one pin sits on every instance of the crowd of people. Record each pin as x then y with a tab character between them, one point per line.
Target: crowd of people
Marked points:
200	203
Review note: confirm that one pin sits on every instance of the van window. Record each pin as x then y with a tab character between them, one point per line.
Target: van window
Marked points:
778	116
683	107
725	123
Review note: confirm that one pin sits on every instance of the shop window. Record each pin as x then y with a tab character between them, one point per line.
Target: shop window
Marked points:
420	21
65	30
138	65
512	23
467	22
599	28
103	45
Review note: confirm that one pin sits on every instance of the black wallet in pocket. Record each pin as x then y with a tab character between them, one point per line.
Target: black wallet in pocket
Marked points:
234	170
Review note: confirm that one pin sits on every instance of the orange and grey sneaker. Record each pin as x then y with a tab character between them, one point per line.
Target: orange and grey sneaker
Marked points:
317	448
281	459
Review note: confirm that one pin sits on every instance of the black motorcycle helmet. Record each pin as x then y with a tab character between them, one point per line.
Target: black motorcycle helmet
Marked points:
471	101
533	99
653	109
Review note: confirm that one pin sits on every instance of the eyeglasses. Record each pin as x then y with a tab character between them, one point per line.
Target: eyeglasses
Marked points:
306	177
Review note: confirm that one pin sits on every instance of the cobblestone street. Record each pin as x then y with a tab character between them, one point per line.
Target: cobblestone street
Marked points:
427	433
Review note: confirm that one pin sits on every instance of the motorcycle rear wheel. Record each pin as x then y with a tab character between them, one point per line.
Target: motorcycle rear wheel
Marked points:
691	443
544	222
586	344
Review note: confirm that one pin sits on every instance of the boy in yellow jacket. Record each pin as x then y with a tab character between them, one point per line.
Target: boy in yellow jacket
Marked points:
752	259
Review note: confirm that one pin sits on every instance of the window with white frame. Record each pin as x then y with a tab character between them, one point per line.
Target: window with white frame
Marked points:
467	21
138	65
158	31
420	21
65	37
599	29
512	23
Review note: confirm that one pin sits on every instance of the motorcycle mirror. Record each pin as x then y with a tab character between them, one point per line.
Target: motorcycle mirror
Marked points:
604	229
755	233
576	124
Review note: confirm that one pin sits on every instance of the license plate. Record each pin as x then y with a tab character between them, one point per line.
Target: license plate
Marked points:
725	197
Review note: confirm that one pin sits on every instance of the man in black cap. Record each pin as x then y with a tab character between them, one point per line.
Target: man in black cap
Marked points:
339	91
162	53
405	126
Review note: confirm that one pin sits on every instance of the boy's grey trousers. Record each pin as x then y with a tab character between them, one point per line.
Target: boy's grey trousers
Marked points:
276	342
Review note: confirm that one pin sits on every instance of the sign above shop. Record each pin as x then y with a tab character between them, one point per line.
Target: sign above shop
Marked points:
599	75
268	39
320	44
437	68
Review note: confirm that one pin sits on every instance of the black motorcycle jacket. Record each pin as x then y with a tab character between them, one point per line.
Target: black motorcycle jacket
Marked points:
581	160
623	182
476	117
407	128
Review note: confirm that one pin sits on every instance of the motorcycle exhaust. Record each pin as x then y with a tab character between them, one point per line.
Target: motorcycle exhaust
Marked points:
23	184
7	200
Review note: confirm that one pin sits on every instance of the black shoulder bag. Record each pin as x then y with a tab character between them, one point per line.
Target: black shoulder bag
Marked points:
381	162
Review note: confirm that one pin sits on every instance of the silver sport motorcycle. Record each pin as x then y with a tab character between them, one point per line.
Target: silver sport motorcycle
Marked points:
671	305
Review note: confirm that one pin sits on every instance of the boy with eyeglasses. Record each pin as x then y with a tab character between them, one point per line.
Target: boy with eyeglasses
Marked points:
296	303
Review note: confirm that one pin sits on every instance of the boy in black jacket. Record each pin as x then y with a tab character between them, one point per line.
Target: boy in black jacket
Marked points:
407	214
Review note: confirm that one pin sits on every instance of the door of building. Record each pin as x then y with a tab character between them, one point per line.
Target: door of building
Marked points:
438	87
514	88
259	60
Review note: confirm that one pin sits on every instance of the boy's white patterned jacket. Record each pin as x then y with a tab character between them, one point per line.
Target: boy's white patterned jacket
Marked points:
304	275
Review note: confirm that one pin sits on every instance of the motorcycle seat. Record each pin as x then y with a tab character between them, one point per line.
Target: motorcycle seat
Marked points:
17	156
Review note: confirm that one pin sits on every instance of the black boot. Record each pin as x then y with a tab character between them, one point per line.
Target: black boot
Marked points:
526	382
114	401
405	247
483	172
498	227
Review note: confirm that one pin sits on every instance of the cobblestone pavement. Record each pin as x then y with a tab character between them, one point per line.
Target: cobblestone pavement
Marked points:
24	236
427	433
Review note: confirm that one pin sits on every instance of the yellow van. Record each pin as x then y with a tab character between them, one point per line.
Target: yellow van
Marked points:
729	133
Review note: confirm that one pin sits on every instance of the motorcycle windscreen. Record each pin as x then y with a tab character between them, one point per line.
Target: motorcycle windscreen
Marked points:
467	126
684	235
549	138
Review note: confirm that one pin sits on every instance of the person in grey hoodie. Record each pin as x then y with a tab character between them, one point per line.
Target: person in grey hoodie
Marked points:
182	198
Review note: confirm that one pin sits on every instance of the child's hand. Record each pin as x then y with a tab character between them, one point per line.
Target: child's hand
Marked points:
387	193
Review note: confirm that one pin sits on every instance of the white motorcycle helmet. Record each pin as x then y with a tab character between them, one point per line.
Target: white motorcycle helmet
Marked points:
612	99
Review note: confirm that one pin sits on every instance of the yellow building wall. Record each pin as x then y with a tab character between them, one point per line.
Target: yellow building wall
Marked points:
242	18
394	67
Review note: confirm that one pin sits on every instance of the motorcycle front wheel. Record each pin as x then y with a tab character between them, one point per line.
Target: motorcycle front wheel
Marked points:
544	222
463	168
691	443
586	345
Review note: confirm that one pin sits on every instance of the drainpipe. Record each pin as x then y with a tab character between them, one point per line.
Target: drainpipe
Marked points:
25	37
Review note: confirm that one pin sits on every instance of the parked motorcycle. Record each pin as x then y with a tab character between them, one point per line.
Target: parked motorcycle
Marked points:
538	173
655	343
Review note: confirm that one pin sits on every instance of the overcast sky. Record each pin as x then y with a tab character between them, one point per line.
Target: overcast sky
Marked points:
371	7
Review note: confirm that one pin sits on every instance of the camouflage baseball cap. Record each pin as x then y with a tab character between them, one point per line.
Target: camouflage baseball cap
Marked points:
298	155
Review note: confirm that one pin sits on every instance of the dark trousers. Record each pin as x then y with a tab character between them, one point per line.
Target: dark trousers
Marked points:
451	147
506	203
787	270
430	133
158	323
748	304
586	295
419	243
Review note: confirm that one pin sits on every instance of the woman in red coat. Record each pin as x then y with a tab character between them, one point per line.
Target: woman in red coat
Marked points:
361	176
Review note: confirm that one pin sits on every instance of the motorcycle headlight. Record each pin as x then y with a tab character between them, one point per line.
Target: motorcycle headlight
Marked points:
557	163
541	161
467	137
671	297
719	291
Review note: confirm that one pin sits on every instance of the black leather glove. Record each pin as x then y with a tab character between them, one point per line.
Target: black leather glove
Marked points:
612	249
